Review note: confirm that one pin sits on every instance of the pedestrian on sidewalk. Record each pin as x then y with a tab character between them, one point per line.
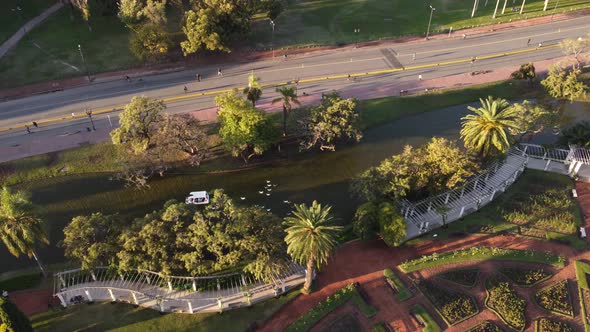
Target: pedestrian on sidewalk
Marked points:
198	77
528	42
28	129
35	124
185	89
348	78
464	36
219	73
420	77
540	44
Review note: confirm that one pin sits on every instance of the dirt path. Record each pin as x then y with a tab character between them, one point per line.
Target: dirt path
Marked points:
33	301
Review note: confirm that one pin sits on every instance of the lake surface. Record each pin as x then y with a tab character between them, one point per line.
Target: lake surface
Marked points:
304	177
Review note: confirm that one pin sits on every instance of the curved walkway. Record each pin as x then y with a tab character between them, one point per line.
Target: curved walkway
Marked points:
27	27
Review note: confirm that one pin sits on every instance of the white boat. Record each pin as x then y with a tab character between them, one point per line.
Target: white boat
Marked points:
197	197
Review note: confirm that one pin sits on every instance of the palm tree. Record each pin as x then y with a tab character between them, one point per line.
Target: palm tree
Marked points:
578	135
254	90
20	228
310	237
487	131
288	96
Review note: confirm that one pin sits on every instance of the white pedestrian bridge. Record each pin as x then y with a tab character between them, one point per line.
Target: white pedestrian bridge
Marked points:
217	293
214	293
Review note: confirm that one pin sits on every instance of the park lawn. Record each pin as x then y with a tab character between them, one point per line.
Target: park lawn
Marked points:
532	182
333	22
125	317
11	21
51	52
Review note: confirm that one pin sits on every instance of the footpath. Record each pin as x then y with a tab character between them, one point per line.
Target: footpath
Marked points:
218	59
32	145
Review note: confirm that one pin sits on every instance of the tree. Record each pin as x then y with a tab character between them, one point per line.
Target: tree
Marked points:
130	12
310	237
578	135
487	132
12	319
93	239
365	223
575	48
274	8
392	225
84	8
20	228
182	133
254	90
531	119
244	130
564	84
149	43
288	96
138	123
335	120
155	12
525	72
213	24
429	170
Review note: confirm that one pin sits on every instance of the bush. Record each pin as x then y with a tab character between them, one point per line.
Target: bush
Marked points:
485	326
463	277
403	293
453	307
481	253
552	325
310	318
526	277
505	303
556	298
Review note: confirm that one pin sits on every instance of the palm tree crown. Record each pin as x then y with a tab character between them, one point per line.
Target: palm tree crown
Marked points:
487	131
288	96
20	229
310	237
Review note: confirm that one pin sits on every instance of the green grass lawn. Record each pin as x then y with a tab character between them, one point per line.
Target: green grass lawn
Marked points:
318	22
11	19
125	317
532	182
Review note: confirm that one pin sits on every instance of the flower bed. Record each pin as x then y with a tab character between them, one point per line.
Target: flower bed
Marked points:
425	319
485	326
403	293
505	303
556	298
551	325
526	277
452	306
582	271
463	277
341	296
482	253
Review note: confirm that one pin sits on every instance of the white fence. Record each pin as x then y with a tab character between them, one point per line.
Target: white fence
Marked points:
215	293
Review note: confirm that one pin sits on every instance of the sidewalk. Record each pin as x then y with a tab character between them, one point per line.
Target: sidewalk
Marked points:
40	145
30	25
246	57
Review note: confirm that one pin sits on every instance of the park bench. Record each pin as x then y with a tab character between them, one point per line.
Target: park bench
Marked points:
582	232
234	305
418	318
391	284
574	193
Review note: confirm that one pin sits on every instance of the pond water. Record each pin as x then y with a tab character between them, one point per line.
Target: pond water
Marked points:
322	176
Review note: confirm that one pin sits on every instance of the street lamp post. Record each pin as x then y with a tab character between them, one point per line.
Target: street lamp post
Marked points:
89	113
272	38
554	8
432	9
18	10
356	33
84	61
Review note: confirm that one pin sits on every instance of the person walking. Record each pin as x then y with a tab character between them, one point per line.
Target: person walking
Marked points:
185	89
198	77
420	77
528	42
28	129
219	73
35	124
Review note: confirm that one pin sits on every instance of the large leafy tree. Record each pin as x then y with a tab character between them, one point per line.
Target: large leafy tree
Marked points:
12	319
93	239
435	167
578	135
382	218
138	123
335	120
487	131
20	227
288	98
149	43
576	48
533	118
564	84
213	24
311	237
182	133
244	130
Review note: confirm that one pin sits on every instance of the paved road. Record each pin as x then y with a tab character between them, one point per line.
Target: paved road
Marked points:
417	58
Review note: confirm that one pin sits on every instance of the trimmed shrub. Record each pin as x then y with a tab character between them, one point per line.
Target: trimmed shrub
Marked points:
485	326
463	277
551	325
526	277
453	307
556	298
505	303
